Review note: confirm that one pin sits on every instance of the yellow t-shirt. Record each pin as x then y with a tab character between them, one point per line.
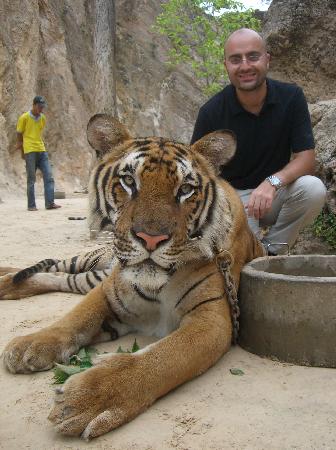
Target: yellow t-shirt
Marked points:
31	129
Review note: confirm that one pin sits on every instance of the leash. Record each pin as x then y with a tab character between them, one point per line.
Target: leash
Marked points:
224	261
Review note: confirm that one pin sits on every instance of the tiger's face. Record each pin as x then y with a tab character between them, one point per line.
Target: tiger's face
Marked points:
161	198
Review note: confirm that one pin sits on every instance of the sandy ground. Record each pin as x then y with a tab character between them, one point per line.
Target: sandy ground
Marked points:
272	406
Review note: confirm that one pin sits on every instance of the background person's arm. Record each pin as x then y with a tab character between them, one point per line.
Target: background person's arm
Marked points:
19	143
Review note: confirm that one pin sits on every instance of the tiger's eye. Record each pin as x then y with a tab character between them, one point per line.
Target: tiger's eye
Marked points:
128	180
186	188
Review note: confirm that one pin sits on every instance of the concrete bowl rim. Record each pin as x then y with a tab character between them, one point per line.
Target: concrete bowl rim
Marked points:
248	269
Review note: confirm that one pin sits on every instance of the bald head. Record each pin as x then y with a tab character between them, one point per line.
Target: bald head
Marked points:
246	60
244	35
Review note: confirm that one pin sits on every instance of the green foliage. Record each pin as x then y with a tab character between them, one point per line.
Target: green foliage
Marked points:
78	363
134	349
81	362
197	31
238	372
325	227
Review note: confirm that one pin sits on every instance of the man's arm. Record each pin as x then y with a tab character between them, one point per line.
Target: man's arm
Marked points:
303	163
19	143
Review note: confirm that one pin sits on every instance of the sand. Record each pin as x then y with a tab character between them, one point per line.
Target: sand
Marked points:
272	406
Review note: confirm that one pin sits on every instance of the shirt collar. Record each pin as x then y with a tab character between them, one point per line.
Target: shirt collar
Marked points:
34	117
236	107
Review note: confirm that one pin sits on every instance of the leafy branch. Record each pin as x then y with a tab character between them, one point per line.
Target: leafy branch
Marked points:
197	31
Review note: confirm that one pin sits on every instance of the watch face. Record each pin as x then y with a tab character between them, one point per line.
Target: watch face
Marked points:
275	181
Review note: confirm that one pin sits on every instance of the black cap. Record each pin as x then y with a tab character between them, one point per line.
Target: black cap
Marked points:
40	100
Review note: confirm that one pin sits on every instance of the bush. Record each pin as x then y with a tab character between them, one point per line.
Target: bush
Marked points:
325	227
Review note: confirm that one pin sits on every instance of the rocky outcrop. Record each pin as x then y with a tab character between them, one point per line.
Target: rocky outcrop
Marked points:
83	61
300	38
323	115
151	98
63	51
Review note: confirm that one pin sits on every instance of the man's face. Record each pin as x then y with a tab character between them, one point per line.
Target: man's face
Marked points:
38	108
246	61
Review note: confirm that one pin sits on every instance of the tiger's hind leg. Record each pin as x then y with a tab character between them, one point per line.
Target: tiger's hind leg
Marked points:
78	274
95	259
40	283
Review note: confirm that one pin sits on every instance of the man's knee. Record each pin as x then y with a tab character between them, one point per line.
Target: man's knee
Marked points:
312	189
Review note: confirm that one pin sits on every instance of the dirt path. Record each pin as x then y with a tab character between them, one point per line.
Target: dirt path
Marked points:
272	406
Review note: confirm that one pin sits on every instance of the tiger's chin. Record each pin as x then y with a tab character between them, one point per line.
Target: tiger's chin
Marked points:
147	274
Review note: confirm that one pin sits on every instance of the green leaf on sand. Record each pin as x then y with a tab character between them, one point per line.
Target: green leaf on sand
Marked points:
81	362
237	372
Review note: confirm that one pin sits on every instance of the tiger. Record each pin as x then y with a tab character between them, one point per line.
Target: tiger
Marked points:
171	215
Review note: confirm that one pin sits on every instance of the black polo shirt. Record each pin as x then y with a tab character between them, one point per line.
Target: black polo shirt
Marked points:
264	142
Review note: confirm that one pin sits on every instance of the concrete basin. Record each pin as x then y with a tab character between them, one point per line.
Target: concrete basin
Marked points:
288	309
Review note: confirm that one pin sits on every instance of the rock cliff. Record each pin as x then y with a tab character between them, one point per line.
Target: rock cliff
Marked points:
84	60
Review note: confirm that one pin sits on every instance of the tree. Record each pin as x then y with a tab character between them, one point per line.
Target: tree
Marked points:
197	31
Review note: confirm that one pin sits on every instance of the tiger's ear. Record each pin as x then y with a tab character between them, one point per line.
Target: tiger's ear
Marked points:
104	132
217	147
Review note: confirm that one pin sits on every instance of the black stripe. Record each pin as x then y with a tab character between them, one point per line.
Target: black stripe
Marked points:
205	301
68	283
97	276
213	203
143	295
200	182
209	218
140	142
121	303
73	264
105	223
140	155
89	282
96	178
205	200
114	314
106	177
193	287
75	283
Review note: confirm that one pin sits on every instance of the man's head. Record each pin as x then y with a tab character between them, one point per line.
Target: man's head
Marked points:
39	103
246	59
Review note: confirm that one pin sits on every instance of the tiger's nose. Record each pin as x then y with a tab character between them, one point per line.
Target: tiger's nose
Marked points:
151	240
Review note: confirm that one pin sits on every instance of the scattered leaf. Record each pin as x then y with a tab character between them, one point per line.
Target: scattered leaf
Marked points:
237	372
78	363
135	348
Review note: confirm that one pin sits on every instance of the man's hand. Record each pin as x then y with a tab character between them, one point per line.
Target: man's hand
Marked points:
261	200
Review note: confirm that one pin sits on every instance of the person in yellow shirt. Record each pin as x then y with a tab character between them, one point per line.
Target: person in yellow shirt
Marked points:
29	140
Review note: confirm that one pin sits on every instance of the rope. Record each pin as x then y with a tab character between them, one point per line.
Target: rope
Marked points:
224	261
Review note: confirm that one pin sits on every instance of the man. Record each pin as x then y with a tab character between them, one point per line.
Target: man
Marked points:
273	166
29	140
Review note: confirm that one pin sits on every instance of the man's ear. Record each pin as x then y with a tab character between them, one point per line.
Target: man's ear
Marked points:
218	148
104	132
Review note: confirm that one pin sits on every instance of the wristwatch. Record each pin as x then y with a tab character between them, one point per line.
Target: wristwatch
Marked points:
275	181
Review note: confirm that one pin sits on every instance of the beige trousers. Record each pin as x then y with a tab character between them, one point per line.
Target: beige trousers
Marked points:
294	206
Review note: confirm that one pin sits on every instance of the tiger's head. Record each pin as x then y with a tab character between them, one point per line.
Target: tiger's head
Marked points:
162	199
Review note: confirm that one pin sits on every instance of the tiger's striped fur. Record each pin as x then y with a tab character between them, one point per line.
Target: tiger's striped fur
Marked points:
170	216
78	275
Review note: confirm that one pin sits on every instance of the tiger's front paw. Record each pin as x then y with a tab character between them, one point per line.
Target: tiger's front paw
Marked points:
100	399
36	352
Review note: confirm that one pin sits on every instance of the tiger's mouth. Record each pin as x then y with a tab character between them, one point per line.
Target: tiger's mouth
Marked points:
151	266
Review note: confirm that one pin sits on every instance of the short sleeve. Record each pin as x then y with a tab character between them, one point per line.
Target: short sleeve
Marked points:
21	125
301	137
